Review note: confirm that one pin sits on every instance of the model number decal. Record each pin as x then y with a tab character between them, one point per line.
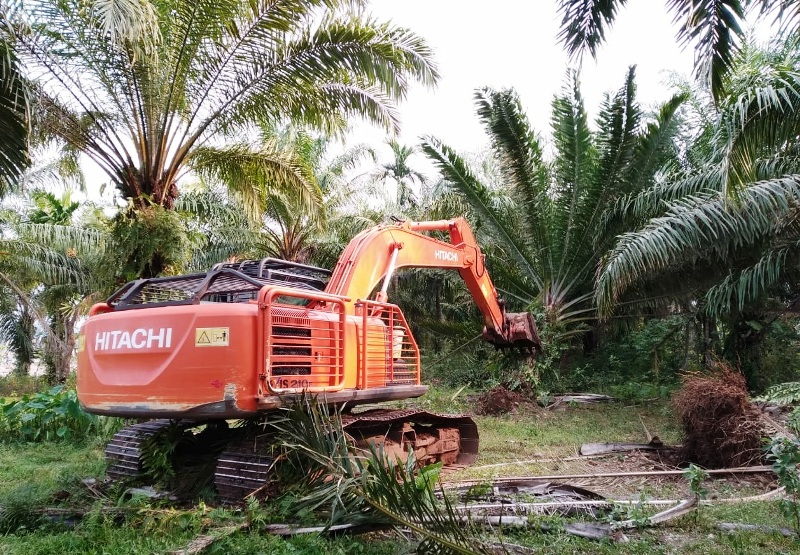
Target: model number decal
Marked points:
285	383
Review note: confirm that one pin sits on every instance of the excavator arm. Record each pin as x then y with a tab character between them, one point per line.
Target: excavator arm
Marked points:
375	254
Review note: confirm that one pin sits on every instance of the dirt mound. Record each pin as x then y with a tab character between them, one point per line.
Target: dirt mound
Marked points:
500	400
721	427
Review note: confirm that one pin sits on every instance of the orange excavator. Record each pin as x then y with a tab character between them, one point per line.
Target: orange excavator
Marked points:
247	338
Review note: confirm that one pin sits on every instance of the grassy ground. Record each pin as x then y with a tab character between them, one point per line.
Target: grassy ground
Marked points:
48	475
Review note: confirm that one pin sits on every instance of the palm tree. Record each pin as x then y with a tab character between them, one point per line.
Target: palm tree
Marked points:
14	113
549	224
291	230
725	227
286	228
47	269
405	178
152	90
716	27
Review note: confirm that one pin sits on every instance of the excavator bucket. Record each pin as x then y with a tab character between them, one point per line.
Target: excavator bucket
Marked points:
522	331
519	331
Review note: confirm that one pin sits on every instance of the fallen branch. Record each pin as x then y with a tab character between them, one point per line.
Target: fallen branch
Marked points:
292	530
551	506
646	431
735	470
583	529
201	543
735	527
578	398
588	449
684	507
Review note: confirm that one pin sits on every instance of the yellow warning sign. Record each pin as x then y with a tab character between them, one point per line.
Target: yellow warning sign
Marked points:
212	337
81	343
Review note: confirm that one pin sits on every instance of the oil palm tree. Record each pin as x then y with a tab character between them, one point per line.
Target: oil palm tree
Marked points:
549	222
150	90
725	227
401	172
715	27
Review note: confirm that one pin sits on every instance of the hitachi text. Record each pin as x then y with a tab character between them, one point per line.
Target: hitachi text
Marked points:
141	338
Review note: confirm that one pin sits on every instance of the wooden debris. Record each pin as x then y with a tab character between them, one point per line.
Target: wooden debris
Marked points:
292	530
590	449
646	431
517	479
577	398
550	507
201	543
684	507
149	492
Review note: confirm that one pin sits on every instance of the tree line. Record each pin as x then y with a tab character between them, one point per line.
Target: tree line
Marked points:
213	123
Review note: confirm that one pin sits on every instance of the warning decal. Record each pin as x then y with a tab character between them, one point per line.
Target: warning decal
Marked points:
211	337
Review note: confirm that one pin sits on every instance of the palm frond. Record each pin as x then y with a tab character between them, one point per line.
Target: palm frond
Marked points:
14	106
253	174
519	155
368	486
697	227
455	170
584	23
715	27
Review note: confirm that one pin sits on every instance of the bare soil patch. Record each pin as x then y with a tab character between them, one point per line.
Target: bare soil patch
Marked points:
499	401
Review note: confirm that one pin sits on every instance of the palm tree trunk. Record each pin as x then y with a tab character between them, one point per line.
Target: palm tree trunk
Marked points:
687	344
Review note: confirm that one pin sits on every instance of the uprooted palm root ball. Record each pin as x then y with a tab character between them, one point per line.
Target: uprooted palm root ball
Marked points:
721	427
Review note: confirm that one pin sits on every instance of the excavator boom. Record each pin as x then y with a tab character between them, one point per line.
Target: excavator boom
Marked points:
376	253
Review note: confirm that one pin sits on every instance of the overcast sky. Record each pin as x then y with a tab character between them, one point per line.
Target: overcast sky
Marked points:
513	43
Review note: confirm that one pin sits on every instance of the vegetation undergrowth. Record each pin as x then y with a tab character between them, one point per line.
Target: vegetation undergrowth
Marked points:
49	415
37	477
15	385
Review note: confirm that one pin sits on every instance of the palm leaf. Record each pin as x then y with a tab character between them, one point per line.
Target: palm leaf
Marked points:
14	111
697	227
455	170
253	174
584	23
366	486
714	27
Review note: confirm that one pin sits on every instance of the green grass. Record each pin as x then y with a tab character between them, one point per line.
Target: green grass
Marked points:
34	476
36	471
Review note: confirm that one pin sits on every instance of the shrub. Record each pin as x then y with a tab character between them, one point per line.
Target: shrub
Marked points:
15	385
45	416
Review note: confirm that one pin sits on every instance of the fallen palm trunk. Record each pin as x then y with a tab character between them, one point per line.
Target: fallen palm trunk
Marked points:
519	479
548	507
291	530
201	543
595	531
593	449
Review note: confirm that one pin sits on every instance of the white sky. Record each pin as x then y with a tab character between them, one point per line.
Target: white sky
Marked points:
513	43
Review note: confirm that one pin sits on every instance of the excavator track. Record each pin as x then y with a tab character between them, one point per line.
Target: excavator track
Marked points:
446	438
242	469
244	466
124	450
